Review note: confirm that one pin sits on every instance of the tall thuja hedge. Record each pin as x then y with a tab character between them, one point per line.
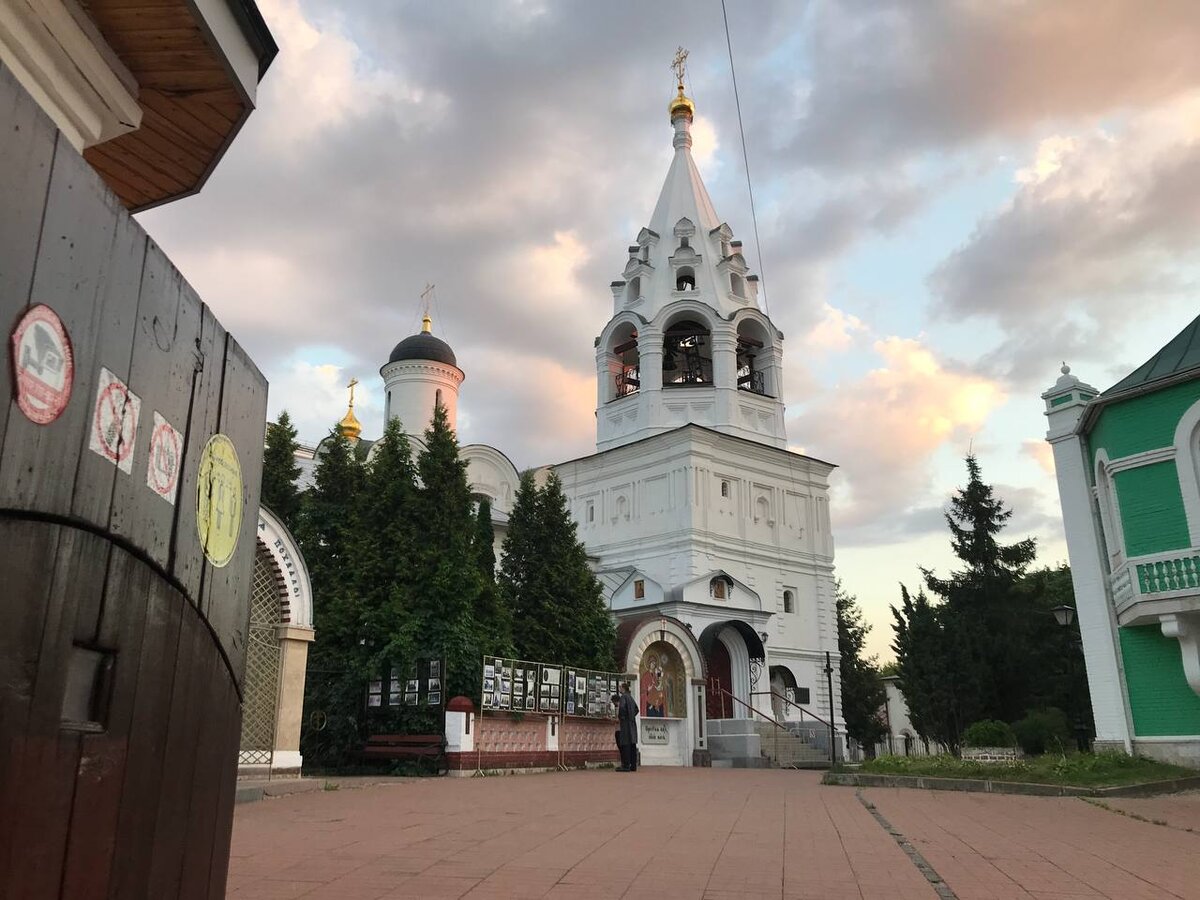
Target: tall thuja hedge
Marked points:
444	562
279	491
384	546
492	614
338	667
558	606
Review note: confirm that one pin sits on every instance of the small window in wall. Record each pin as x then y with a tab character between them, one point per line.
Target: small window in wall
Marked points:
789	602
685	279
719	588
591	511
639	589
437	397
724	488
738	285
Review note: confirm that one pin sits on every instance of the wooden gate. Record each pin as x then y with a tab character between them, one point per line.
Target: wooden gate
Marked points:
126	541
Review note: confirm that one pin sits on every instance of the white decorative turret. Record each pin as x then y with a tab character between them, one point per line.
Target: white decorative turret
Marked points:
421	372
687	342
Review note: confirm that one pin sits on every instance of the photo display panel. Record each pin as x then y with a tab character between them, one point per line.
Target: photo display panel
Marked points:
589	693
515	685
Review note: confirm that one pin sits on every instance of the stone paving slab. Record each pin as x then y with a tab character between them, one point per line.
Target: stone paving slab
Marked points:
988	847
707	834
1178	810
660	833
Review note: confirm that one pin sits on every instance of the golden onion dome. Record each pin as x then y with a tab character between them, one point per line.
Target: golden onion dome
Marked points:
350	427
682	105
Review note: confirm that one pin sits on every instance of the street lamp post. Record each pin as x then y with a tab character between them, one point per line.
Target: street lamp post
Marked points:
1065	616
832	734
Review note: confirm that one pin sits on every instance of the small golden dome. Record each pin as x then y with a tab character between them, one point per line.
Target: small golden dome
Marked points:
682	105
426	324
350	427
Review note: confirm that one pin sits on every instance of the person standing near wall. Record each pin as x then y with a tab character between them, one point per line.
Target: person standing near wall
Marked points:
627	732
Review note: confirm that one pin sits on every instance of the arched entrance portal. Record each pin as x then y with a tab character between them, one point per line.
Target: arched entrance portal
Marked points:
783	688
276	654
735	656
667	675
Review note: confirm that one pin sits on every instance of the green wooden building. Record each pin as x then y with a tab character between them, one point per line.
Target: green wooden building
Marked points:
1128	469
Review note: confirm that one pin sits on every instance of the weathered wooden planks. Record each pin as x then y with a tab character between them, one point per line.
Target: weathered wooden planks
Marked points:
95	564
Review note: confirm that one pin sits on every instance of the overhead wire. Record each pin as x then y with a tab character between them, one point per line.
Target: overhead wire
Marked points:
762	275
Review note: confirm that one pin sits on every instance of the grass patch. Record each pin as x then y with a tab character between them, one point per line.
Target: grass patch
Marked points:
1107	769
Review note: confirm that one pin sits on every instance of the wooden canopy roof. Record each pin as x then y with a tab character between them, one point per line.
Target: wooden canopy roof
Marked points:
184	57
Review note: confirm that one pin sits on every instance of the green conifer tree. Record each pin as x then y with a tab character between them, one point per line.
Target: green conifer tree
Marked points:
559	610
338	666
491	612
862	692
988	620
927	679
279	491
447	582
385	542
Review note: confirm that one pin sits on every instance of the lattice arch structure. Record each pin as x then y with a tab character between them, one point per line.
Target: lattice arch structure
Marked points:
260	704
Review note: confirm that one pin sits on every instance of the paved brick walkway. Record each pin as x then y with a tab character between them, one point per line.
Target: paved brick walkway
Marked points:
660	833
993	847
1176	810
666	833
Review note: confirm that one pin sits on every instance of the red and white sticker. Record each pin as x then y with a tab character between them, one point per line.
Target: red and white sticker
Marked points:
166	449
43	365
115	421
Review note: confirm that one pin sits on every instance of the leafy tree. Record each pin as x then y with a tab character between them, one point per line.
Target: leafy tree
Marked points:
279	491
447	579
557	601
862	692
1057	652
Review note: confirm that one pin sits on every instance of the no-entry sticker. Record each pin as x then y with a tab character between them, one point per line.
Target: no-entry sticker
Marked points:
162	471
115	421
43	365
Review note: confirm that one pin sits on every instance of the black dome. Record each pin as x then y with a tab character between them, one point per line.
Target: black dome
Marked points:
424	346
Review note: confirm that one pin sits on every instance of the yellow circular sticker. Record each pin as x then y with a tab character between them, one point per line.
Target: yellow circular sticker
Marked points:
219	500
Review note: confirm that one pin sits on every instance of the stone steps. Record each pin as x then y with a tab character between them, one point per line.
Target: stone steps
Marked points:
785	750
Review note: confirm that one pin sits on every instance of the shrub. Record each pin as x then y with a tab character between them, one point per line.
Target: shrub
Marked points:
989	733
1043	731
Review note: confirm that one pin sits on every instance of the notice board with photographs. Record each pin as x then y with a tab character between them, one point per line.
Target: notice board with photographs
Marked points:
517	685
589	693
422	683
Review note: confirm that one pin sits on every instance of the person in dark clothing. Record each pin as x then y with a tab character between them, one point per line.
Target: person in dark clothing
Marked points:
627	732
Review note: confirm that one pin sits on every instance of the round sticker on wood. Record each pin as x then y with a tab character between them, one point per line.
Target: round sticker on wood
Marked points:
219	500
43	365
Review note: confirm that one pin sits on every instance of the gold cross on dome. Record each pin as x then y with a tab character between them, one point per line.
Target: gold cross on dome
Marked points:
353	383
679	64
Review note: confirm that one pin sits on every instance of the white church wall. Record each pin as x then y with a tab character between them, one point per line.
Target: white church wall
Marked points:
682	505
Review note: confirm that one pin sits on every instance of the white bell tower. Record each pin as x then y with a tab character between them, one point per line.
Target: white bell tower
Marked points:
687	342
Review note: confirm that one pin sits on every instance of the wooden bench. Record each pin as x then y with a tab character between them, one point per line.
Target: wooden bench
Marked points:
424	748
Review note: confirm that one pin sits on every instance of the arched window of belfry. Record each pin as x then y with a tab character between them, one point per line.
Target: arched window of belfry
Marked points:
687	354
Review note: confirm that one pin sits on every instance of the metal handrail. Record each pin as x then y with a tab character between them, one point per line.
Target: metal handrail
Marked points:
779	726
756	712
791	703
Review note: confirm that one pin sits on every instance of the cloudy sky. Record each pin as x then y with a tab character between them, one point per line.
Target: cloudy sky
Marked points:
953	198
